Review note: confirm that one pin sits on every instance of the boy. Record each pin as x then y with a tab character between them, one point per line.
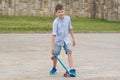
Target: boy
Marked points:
60	37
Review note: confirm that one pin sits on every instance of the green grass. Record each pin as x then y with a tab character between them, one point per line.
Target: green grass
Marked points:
95	25
44	24
25	24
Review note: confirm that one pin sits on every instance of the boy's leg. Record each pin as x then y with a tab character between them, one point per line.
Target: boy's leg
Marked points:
53	70
70	58
68	51
57	50
54	62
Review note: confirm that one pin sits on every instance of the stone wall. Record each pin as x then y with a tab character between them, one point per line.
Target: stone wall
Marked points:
106	9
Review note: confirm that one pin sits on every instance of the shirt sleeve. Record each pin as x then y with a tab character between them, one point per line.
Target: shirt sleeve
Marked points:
54	28
70	25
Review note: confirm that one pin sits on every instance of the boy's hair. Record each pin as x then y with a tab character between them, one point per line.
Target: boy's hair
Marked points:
58	7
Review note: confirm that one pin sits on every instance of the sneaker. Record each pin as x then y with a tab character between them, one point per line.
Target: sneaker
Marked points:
73	72
53	70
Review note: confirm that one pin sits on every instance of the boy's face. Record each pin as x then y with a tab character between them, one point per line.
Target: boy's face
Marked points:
60	13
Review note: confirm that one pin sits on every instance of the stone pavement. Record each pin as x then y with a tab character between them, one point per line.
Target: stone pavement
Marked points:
27	57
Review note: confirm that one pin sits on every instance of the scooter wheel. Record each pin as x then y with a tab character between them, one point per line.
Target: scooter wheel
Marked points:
52	57
65	75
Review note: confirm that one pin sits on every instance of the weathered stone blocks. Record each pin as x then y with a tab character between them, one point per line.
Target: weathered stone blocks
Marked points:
106	9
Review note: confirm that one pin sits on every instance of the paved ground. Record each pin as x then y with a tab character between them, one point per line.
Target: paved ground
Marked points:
27	57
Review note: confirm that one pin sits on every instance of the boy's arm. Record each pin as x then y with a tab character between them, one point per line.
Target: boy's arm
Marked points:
53	41
54	32
72	35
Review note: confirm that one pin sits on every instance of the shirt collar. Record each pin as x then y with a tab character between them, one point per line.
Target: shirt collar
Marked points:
60	18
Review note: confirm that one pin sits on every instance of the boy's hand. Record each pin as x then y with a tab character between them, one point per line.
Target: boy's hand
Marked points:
73	41
52	50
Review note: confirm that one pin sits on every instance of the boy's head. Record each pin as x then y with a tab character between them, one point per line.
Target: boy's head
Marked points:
59	11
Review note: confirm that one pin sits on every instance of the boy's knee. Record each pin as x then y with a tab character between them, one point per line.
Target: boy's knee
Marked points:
55	53
69	53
